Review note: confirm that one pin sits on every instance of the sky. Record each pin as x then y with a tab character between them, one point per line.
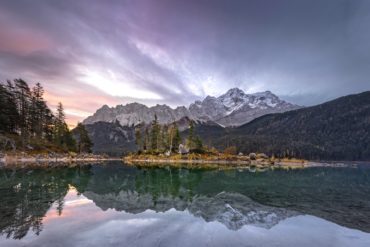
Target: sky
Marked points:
89	53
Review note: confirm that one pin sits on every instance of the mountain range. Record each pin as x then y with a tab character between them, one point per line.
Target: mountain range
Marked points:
335	130
234	108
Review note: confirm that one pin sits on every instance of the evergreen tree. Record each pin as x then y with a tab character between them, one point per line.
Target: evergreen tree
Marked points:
8	111
61	117
138	140
146	140
24	112
164	138
154	135
84	143
11	111
176	138
37	111
23	97
48	125
4	124
59	126
62	136
69	141
190	140
198	144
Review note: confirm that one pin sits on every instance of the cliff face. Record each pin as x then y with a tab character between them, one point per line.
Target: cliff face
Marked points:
336	130
233	108
111	138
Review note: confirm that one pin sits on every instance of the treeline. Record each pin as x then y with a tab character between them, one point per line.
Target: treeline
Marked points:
27	123
336	130
157	138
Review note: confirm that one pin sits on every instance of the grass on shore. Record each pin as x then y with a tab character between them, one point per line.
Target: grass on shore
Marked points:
206	160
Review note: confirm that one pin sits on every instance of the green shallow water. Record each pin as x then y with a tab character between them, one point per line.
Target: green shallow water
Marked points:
118	205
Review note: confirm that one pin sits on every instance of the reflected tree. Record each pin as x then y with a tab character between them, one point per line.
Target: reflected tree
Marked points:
27	195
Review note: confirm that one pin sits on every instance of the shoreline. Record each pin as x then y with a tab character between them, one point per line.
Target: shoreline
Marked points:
25	158
232	162
259	163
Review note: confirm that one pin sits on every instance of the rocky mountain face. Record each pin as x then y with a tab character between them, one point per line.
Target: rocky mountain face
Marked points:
111	138
233	108
116	140
336	130
135	113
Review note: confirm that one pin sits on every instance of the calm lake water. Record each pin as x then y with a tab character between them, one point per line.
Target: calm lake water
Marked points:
119	205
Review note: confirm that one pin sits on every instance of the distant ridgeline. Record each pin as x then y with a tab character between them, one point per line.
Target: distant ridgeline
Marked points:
27	123
336	130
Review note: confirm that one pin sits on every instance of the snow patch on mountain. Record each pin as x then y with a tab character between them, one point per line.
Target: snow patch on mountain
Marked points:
233	108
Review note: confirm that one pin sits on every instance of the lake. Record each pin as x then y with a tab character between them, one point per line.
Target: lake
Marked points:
118	205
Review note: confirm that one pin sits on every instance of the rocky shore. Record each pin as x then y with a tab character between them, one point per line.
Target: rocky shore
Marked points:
23	157
215	160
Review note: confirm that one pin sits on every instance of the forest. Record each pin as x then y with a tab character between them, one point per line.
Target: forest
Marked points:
156	138
28	124
335	130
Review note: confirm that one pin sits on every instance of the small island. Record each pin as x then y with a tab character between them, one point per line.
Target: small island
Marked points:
213	160
162	145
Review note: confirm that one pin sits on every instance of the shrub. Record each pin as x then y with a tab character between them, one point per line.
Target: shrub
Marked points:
230	150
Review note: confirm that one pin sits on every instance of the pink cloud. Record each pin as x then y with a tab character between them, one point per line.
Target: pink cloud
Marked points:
80	103
21	40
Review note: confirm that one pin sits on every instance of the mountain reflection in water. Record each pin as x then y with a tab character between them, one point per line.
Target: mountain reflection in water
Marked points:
33	197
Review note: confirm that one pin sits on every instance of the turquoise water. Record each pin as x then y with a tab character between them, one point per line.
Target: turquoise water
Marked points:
118	205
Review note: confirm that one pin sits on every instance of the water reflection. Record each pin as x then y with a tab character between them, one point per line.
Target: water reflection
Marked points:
27	194
231	209
34	199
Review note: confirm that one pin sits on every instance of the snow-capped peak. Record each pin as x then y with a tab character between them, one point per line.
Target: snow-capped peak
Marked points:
233	108
234	92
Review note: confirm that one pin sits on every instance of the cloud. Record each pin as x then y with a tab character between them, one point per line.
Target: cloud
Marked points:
91	53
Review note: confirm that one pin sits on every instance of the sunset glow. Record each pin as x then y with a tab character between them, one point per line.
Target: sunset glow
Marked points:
173	53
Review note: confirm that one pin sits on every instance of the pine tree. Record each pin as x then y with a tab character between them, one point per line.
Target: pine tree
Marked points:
8	111
84	143
24	112
11	111
4	125
146	140
62	136
198	144
176	138
154	135
164	138
69	141
138	140
23	97
37	110
190	140
48	125
61	117
59	125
